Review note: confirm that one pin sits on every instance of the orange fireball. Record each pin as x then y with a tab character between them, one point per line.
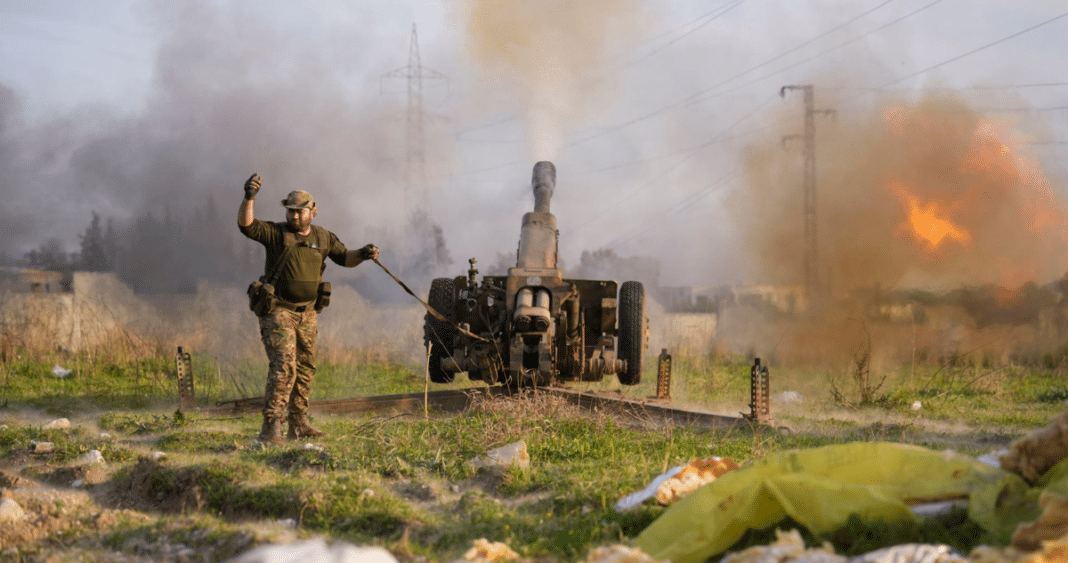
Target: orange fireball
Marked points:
928	222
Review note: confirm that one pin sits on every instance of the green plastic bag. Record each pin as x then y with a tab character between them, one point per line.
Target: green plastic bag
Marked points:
821	487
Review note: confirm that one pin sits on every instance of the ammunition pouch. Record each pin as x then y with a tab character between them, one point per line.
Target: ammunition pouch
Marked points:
322	297
261	298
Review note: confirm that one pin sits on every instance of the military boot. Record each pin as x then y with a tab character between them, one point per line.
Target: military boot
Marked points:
299	427
271	431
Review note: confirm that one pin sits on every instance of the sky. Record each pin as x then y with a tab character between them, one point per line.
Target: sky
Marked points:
664	120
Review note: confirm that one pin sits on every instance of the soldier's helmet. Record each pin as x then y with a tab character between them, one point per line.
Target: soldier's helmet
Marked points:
299	199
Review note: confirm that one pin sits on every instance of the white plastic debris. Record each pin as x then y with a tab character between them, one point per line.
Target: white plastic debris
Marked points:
635	499
790	397
156	456
315	550
105	436
10	511
787	547
993	459
77	483
512	454
618	553
94	456
940	508
916	405
911	553
58	371
58	423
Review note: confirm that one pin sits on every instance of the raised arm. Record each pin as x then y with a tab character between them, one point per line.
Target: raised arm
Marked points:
245	213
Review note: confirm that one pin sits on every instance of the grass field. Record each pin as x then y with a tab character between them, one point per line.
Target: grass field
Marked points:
403	482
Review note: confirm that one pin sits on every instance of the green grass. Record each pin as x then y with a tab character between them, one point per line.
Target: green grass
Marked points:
404	482
67	444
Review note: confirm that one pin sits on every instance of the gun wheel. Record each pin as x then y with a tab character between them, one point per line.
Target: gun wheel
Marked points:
632	329
439	335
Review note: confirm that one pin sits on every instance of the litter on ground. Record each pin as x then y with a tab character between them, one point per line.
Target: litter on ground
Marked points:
1019	497
485	550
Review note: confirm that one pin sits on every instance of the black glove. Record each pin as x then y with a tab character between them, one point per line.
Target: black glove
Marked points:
252	186
369	252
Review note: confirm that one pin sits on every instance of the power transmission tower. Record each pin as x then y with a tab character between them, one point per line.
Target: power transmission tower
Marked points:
415	171
812	281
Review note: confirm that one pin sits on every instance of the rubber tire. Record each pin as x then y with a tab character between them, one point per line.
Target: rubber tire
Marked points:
631	331
443	299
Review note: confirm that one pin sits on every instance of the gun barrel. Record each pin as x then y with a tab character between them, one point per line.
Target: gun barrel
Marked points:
537	236
544	182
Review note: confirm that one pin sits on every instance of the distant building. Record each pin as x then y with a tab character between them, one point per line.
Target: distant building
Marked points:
28	280
787	300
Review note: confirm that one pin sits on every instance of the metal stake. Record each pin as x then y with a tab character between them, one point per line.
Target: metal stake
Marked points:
184	367
760	387
663	376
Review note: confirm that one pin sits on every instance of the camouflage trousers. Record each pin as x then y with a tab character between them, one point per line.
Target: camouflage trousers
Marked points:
289	338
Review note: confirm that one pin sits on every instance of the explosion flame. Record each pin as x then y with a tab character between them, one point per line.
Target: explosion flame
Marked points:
927	194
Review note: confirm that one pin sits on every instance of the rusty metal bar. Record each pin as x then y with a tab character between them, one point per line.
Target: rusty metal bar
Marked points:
649	410
458	400
448	400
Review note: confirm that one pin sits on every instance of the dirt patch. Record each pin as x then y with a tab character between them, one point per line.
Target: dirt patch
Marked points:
151	486
75	476
56	514
9	481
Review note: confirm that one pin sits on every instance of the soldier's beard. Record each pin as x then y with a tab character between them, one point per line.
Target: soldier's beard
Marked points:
298	224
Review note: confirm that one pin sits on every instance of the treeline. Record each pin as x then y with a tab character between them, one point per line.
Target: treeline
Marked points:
158	254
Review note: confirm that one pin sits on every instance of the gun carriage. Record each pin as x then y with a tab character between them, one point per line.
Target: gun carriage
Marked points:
533	327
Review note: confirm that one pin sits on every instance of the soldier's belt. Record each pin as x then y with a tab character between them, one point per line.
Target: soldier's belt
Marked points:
296	308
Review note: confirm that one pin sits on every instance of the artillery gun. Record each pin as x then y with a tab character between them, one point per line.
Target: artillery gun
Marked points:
533	327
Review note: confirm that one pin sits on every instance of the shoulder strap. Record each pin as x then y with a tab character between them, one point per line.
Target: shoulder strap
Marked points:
289	241
322	240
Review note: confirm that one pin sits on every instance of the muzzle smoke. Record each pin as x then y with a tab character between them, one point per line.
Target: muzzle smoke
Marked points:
549	55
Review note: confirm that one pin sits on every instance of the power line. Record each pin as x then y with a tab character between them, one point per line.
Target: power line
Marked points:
617	202
718	11
632	162
677	208
968	110
974	51
711	19
817	55
708	17
415	180
948	88
697	95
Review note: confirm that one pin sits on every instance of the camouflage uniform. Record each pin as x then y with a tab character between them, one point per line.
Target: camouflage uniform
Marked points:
289	338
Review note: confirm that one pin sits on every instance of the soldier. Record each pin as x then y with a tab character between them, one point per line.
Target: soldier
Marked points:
287	300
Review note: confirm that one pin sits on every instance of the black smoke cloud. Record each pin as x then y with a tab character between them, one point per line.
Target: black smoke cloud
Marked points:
230	96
